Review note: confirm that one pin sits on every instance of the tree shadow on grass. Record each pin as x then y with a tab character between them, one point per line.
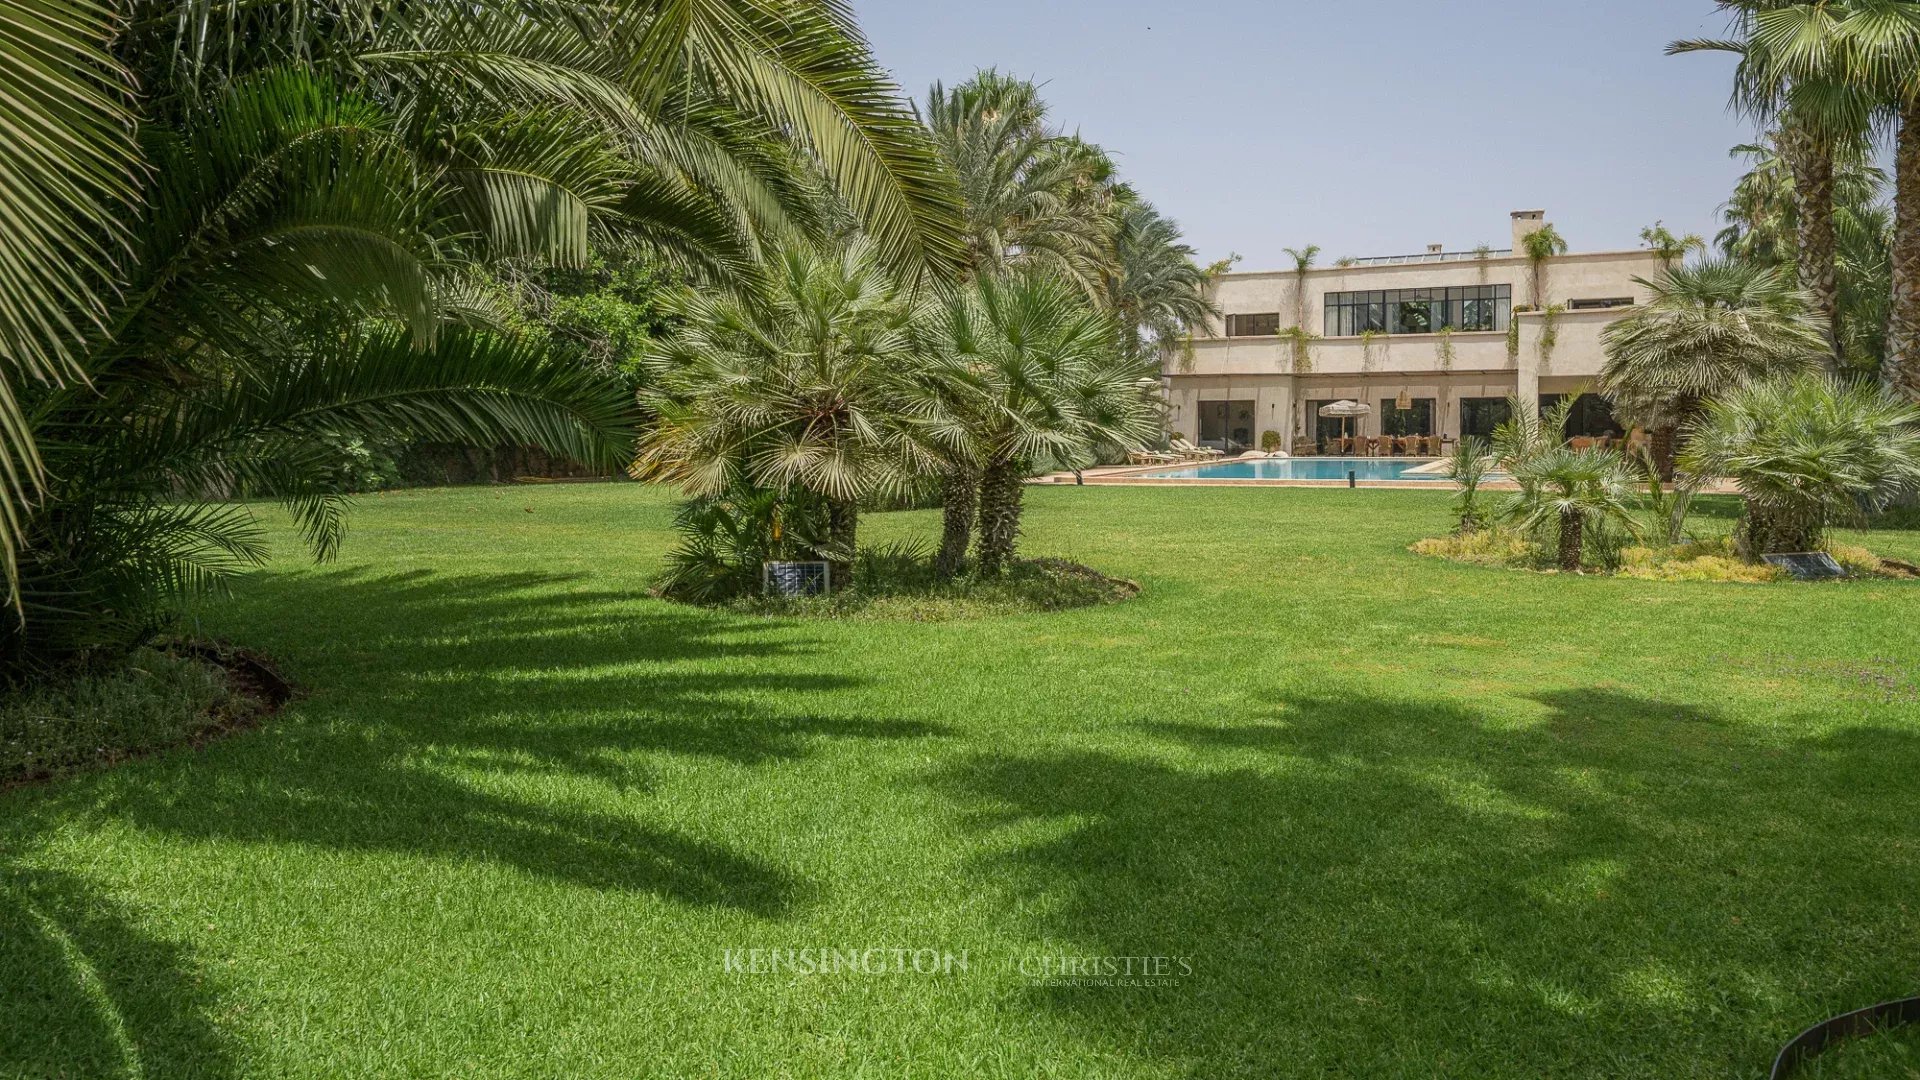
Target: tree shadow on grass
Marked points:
85	992
1618	887
512	720
475	679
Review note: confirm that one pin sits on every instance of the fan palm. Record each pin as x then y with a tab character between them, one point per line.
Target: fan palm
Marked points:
809	386
1806	452
1709	328
1047	382
1572	491
1794	69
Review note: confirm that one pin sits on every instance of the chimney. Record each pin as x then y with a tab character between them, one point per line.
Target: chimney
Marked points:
1435	249
1525	224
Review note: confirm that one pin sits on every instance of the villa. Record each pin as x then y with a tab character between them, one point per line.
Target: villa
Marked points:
1433	343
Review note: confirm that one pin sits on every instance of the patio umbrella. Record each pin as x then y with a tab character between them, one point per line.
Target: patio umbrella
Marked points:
1346	410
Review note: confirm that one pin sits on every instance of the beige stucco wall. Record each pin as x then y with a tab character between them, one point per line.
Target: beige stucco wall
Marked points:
1260	369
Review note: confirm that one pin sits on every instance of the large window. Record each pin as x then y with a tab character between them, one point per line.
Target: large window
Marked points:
1592	416
1227	425
1262	325
1418	311
1415	421
1480	415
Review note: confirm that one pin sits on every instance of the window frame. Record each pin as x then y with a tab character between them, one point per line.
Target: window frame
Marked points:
1386	311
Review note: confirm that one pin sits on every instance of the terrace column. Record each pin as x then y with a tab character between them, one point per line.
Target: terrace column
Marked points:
1528	365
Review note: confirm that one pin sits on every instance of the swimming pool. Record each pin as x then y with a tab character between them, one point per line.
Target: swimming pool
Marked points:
1300	469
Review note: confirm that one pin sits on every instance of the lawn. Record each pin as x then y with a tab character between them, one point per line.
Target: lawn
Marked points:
1388	816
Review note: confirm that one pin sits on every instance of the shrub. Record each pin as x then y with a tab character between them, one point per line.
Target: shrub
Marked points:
1271	441
725	539
1482	547
151	701
1807	452
1707	560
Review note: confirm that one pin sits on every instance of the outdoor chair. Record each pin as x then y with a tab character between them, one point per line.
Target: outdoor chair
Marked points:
1581	443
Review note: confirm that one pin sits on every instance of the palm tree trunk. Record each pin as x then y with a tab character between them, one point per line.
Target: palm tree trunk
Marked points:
1811	160
1001	488
959	501
1666	444
843	525
1777	530
1902	367
1571	530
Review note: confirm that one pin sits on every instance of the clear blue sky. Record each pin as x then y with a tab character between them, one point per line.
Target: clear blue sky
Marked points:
1369	127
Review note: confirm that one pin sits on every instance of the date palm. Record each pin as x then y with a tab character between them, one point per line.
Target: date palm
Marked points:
1023	186
1807	452
1667	247
1795	70
1151	284
1709	329
280	289
1881	45
1303	260
318	180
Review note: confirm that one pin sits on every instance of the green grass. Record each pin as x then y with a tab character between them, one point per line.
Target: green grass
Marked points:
1399	816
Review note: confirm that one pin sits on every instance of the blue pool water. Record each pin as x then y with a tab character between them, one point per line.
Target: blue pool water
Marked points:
1299	469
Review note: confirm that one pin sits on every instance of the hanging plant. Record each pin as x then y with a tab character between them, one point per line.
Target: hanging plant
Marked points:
1367	351
1549	333
1443	348
1300	346
1513	339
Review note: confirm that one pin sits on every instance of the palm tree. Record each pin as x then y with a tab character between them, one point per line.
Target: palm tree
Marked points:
1806	452
1156	291
318	185
1472	460
1881	43
809	385
1303	260
1024	187
1793	70
1572	491
282	286
1667	247
706	103
1046	382
1762	227
67	173
1709	329
1540	245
